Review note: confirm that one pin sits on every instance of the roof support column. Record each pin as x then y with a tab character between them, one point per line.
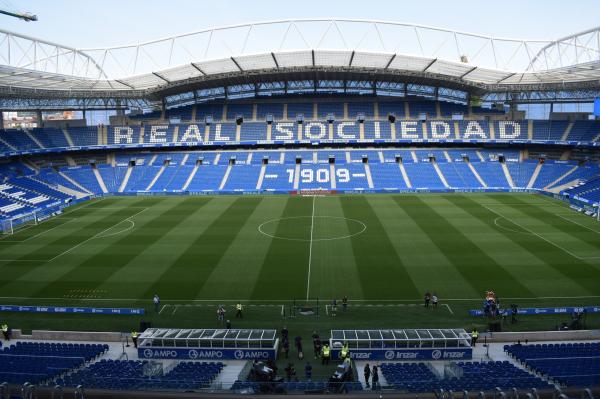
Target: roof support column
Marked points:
38	118
1	120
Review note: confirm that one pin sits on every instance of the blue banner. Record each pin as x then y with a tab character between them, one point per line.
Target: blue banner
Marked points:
558	310
597	106
205	353
408	354
58	309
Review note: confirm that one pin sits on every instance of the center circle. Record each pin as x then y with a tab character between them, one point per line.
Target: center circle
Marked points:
312	228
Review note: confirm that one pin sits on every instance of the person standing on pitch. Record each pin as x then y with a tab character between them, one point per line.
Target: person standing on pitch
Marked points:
286	347
298	342
134	338
156	301
375	378
344	303
238	311
284	333
434	300
427	299
367	372
474	336
325	355
333	307
221	314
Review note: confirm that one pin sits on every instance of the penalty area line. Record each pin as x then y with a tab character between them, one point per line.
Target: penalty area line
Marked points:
449	308
574	255
100	234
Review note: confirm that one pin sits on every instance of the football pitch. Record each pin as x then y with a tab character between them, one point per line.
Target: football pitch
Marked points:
381	251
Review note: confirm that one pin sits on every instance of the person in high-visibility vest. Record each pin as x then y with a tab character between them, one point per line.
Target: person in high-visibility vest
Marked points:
5	332
345	353
325	355
474	336
238	311
134	337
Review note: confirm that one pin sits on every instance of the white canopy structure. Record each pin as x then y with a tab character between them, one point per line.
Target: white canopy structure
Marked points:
273	49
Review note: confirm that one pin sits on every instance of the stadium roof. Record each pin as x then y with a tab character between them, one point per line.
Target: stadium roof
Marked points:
296	49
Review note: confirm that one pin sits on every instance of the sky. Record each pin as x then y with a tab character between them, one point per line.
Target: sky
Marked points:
86	23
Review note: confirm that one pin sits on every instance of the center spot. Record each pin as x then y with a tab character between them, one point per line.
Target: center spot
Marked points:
324	228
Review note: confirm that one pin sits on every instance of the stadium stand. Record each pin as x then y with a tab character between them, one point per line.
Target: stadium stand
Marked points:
471	376
569	364
233	171
137	375
36	362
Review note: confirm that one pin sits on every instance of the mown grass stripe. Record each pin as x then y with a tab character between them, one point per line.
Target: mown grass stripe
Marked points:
424	261
382	273
549	218
47	247
284	270
482	271
579	273
105	263
249	244
334	270
188	272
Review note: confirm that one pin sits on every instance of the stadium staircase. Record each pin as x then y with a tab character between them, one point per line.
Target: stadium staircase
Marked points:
551	187
34	139
476	174
157	176
99	179
225	177
565	135
68	137
332	174
509	178
404	175
535	175
369	177
126	178
261	176
439	173
74	183
13	148
191	176
65	190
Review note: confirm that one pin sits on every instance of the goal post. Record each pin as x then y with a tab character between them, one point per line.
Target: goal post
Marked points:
12	225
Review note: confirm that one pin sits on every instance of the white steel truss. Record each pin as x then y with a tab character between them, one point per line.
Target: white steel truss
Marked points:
301	43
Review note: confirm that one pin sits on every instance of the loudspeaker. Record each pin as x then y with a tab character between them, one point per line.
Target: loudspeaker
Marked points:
495	326
144	325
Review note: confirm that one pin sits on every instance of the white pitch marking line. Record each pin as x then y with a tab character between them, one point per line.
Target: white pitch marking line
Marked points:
543	238
312	225
96	235
163	308
449	308
175	310
365	301
45	231
579	224
131	227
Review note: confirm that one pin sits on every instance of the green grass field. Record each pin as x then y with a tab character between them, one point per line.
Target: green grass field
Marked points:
382	251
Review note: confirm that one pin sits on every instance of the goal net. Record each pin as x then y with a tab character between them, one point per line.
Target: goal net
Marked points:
12	225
